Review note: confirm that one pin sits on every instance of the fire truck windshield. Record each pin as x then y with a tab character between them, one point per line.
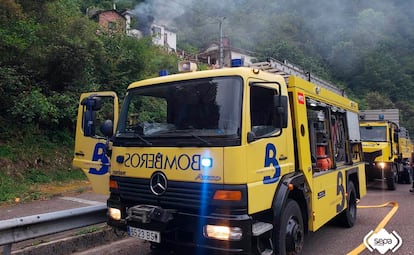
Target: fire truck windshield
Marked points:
202	110
373	133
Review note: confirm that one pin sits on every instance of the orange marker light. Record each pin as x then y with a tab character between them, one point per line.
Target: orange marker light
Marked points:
290	186
113	184
228	195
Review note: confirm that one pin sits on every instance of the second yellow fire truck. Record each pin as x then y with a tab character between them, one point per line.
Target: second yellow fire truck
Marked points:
387	147
239	160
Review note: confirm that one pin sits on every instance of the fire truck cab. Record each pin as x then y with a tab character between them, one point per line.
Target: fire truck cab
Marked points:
235	160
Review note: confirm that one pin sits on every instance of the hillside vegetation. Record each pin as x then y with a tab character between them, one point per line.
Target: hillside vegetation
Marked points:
50	53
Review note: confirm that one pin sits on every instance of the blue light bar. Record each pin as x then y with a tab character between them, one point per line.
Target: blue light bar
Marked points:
237	62
163	73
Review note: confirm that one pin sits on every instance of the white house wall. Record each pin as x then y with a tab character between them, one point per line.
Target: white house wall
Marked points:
171	39
157	34
163	37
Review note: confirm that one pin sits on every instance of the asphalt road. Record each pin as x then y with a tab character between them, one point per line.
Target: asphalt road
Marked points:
380	209
374	212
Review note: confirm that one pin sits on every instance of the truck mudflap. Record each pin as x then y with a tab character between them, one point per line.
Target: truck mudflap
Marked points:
174	229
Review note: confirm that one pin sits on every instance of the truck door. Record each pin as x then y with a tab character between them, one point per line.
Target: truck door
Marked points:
271	148
96	112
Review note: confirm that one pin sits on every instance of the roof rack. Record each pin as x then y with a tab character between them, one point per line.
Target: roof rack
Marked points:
285	69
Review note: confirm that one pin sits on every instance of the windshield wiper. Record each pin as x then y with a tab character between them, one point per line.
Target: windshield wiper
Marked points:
135	135
142	139
200	139
190	132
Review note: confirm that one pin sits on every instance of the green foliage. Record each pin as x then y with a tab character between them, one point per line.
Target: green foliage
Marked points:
34	157
108	4
22	186
364	45
51	52
375	100
88	230
153	110
9	188
33	176
33	106
60	55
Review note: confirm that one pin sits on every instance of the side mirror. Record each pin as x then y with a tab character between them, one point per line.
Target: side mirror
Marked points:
280	115
251	137
91	104
396	137
107	128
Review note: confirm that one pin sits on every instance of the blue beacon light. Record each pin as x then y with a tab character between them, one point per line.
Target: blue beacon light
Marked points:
207	162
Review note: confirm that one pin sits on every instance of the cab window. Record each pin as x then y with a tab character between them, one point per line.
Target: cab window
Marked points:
261	105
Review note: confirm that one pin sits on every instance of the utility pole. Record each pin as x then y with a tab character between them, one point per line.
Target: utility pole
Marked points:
221	60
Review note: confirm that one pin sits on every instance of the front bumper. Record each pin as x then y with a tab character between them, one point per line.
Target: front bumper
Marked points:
379	171
185	230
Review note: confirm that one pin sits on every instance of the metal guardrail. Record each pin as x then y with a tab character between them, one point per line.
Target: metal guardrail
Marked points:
29	227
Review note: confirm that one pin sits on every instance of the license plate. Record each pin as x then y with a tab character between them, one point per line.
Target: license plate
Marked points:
149	235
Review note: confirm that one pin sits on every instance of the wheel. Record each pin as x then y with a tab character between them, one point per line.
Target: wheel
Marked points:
289	237
392	180
406	175
347	217
391	183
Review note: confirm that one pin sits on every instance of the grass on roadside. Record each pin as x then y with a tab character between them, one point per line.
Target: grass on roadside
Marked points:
88	230
39	185
28	163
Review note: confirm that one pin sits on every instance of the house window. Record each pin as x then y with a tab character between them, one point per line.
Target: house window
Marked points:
156	32
112	25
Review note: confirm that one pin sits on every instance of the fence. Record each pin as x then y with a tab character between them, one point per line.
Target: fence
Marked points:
29	227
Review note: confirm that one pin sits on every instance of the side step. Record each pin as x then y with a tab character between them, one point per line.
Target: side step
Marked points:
264	246
260	228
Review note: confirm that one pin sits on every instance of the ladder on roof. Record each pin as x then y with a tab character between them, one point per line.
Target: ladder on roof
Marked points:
285	69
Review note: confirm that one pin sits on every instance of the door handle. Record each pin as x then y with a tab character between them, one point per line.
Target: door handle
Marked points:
79	154
282	158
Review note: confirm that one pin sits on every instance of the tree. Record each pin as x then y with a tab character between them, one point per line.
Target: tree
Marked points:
375	100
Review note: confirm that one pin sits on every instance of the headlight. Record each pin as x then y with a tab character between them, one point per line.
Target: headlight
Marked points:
114	213
223	232
381	165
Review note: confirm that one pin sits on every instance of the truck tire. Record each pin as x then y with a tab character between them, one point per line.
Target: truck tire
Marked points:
392	179
347	217
405	175
391	183
289	238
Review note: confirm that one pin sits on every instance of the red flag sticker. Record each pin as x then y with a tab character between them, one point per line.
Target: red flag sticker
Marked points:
301	98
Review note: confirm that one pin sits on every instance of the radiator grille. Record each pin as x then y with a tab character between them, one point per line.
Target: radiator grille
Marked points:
182	195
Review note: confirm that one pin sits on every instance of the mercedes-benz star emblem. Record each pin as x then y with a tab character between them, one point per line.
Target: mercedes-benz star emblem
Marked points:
158	183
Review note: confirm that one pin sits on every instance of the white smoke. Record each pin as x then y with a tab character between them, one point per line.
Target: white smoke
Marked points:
163	12
334	28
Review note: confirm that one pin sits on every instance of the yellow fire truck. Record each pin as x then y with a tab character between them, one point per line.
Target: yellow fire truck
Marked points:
387	147
239	160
